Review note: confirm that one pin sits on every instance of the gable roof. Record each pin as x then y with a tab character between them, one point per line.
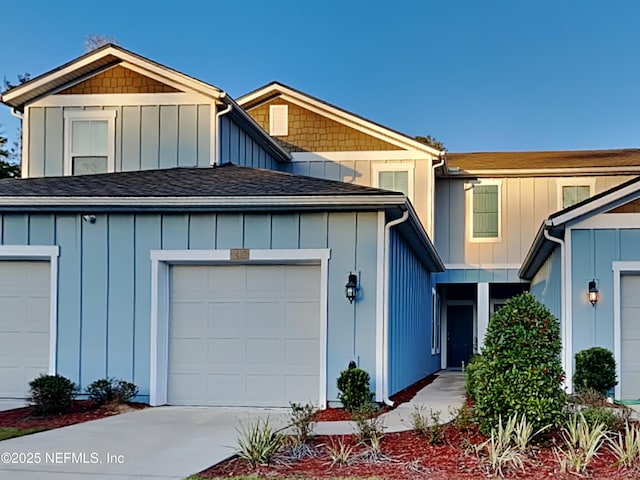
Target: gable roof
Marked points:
277	89
109	56
556	223
544	162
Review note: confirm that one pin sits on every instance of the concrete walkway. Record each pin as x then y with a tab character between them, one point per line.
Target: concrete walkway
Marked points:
445	395
171	443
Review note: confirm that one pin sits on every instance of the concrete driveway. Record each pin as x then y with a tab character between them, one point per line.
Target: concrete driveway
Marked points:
156	443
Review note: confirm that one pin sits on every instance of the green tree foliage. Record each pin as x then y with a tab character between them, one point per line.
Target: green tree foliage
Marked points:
519	372
431	141
8	168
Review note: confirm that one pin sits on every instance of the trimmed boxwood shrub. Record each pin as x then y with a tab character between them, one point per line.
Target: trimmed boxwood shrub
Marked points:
51	394
520	371
595	370
353	384
107	390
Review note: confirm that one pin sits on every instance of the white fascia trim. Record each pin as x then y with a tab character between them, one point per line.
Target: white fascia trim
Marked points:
378	167
72	115
380	262
82	100
596	204
573	182
469	214
610	220
24	167
360	155
560	172
619	268
159	331
48	253
482	266
280	201
567	300
352	121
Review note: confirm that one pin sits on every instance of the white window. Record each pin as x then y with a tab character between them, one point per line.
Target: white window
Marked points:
574	190
89	145
435	323
485	211
398	177
279	120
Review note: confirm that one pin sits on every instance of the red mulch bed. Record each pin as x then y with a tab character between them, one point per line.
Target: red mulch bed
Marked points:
81	411
403	396
412	457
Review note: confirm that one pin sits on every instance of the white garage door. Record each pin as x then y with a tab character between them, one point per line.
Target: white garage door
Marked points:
630	337
24	325
245	335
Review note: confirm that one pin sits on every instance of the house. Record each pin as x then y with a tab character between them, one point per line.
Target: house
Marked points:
199	246
159	235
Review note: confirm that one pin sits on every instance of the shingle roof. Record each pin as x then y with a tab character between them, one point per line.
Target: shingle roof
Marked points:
223	181
544	160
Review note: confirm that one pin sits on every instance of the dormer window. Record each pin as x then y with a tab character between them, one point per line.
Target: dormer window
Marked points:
89	141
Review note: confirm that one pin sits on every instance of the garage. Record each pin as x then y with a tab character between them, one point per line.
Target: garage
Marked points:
630	337
24	325
244	335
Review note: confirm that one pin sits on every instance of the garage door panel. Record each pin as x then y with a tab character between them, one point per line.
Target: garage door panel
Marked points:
630	337
301	388
189	350
258	333
35	344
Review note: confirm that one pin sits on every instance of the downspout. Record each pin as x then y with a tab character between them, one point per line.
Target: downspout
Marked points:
564	300
432	214
385	309
17	114
216	153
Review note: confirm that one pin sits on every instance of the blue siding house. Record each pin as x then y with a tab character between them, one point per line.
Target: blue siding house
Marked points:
158	236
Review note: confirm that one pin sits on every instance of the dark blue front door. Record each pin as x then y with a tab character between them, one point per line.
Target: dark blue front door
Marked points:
459	335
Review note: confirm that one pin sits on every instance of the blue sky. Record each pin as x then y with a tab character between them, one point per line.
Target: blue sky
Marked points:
478	75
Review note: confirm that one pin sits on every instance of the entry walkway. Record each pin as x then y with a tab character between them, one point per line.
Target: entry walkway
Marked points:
445	395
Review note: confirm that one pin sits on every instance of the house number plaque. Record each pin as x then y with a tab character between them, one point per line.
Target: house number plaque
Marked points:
239	254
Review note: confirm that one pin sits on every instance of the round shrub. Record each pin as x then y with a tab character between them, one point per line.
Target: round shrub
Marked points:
51	394
595	370
353	384
107	390
520	372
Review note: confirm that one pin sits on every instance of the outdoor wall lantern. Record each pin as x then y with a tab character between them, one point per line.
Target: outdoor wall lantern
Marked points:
351	288
594	295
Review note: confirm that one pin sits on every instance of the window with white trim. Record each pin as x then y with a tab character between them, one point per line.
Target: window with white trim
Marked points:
89	141
485	211
397	178
572	191
279	120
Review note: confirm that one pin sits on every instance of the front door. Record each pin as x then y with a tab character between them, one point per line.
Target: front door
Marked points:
459	335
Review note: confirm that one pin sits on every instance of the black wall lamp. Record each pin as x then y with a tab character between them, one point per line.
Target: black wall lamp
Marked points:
593	294
351	288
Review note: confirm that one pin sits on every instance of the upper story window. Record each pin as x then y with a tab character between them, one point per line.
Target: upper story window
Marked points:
575	190
89	141
485	211
398	178
279	120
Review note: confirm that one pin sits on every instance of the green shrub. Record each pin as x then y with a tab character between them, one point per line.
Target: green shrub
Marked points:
472	375
353	384
520	372
107	390
302	421
595	370
52	394
596	415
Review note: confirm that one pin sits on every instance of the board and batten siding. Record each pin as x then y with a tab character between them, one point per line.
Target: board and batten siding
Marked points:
360	172
592	254
146	137
546	285
526	203
104	279
410	357
237	147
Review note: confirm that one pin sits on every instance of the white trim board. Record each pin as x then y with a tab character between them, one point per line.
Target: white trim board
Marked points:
573	182
360	155
121	99
482	266
619	269
159	332
48	253
610	220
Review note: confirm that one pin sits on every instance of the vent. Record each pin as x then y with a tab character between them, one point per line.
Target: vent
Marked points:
279	120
